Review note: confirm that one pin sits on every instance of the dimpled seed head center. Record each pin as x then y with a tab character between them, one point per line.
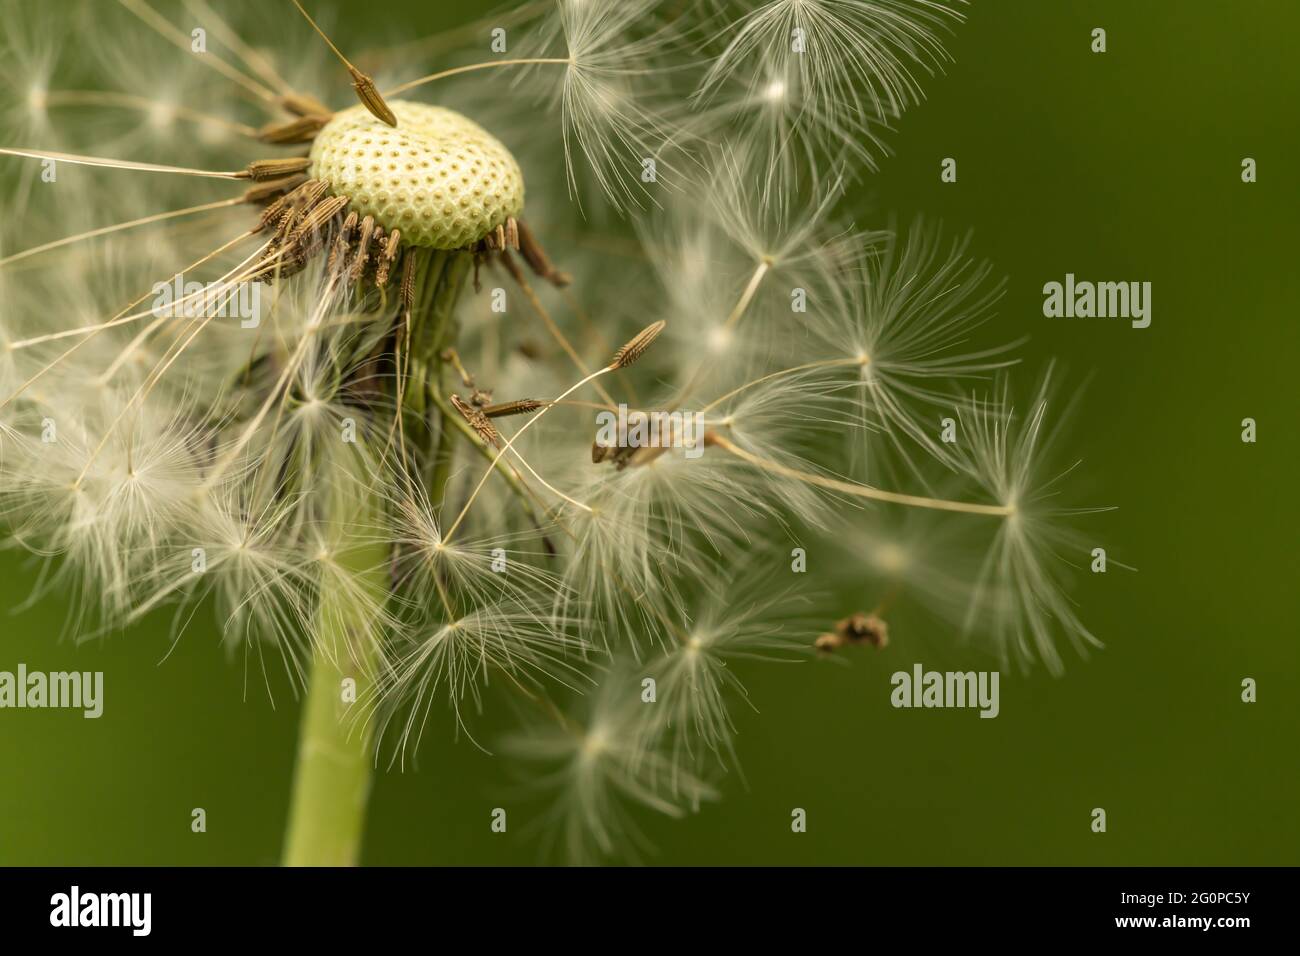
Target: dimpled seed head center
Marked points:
440	178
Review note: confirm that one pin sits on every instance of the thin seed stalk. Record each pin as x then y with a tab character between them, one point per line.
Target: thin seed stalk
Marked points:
335	761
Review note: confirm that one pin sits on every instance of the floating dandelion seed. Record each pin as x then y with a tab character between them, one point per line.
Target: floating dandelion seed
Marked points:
279	333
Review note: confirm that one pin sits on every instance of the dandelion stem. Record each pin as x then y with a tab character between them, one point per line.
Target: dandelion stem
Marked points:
332	778
852	488
332	782
486	65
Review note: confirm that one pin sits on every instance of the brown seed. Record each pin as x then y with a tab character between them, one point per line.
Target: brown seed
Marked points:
342	241
338	252
272	213
477	421
637	345
391	251
363	248
370	97
349	226
282	262
319	216
536	257
364	85
301	130
291	207
864	629
523	406
300	104
512	267
288	220
272	188
309	193
828	642
260	170
857	628
407	293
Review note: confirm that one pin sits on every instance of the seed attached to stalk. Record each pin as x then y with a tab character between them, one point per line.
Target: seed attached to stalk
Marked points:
294	132
523	406
477	421
367	92
636	346
260	170
302	104
272	188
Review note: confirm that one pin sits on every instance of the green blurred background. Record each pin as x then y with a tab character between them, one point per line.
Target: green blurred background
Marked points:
1118	166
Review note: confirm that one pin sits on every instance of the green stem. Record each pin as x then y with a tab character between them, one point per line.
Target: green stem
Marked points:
332	781
335	759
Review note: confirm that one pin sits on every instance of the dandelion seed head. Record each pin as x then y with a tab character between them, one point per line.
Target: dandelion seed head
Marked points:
439	178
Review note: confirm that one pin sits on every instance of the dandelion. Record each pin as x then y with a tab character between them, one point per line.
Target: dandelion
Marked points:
596	767
316	331
697	684
1019	593
905	329
823	77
